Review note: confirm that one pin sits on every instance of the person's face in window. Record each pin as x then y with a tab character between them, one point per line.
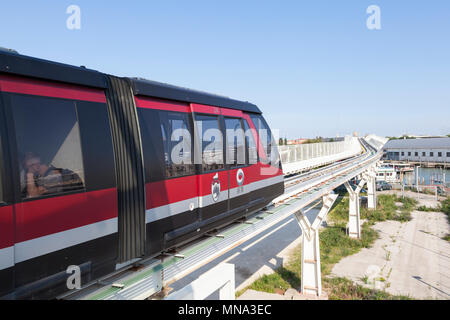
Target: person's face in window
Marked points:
33	165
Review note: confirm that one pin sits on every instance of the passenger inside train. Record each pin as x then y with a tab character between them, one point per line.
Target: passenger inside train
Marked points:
42	179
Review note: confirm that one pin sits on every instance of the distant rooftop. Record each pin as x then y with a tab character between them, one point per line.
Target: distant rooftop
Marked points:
426	143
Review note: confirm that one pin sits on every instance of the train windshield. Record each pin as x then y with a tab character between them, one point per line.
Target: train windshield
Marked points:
267	139
48	143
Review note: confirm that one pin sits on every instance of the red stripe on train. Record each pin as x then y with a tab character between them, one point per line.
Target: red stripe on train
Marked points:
6	227
232	113
39	218
160	104
163	192
16	84
174	190
201	108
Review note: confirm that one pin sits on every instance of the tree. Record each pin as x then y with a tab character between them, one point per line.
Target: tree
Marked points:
285	141
280	141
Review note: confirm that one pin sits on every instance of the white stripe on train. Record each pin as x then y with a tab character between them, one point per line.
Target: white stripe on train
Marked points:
57	241
158	213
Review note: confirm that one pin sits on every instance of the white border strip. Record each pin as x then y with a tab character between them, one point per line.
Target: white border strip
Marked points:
57	241
172	209
6	257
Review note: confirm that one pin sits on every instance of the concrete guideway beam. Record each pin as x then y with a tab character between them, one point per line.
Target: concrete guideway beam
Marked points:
311	282
220	278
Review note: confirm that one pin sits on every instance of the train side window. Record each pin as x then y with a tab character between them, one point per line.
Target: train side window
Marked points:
152	144
252	151
167	146
211	142
48	143
176	132
235	142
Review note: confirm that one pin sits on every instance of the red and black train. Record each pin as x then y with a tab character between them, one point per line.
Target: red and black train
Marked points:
90	171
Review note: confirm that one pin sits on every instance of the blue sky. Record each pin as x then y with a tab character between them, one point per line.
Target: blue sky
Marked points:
313	67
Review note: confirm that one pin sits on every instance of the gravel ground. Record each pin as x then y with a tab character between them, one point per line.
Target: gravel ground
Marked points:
409	258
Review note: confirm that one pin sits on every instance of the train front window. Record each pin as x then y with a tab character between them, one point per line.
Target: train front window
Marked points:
48	143
266	138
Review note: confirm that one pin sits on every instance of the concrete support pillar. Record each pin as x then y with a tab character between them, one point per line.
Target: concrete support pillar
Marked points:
311	282
354	223
311	275
371	191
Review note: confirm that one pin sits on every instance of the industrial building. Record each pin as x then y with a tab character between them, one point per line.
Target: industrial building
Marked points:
433	150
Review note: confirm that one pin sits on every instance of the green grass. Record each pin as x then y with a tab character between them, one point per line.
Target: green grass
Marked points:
421	190
388	210
428	209
339	212
445	208
335	245
344	289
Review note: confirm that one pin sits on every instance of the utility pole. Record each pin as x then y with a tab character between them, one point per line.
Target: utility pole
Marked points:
417	182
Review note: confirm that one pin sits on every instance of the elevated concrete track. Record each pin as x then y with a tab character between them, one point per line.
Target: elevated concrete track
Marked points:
145	278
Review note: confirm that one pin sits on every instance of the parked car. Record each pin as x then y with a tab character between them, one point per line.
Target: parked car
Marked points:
441	191
383	185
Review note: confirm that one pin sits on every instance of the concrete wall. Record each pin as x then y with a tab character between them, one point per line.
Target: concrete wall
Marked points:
298	158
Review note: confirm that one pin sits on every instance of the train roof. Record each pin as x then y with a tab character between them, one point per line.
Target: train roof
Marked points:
167	91
15	63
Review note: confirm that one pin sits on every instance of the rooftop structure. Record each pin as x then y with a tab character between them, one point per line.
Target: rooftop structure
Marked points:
425	143
417	150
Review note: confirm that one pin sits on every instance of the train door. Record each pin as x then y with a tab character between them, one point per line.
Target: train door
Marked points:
236	161
170	173
213	177
267	173
6	216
